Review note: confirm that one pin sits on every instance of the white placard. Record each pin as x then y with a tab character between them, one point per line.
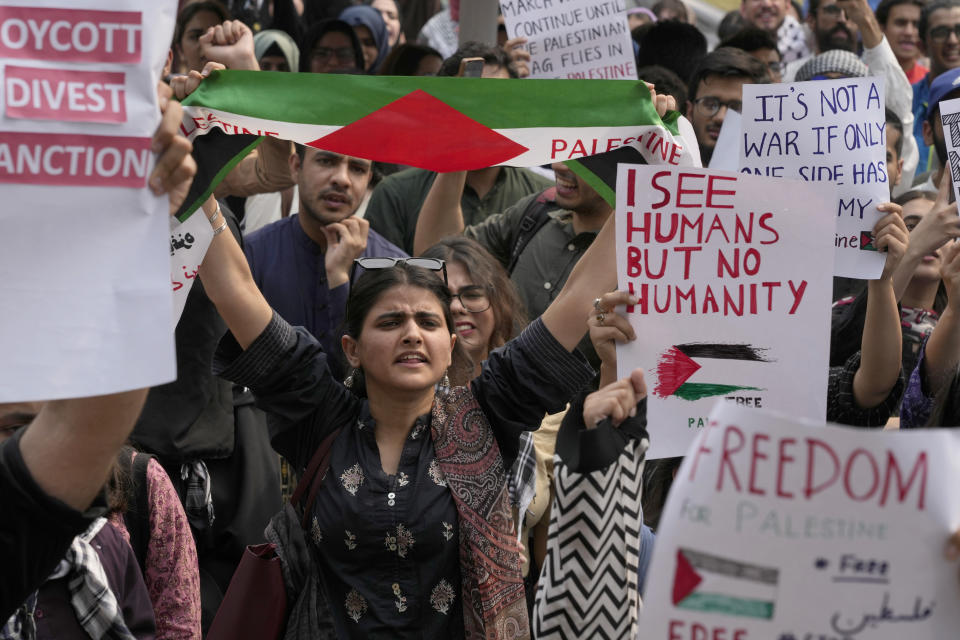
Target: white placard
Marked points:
733	277
84	260
782	531
189	241
825	131
573	38
950	118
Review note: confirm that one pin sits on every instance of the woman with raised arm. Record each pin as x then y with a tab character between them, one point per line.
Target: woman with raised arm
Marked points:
412	525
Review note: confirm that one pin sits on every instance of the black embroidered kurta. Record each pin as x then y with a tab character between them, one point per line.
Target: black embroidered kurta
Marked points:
374	589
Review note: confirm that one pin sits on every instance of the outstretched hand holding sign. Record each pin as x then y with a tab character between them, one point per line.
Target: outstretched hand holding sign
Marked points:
940	225
616	401
881	348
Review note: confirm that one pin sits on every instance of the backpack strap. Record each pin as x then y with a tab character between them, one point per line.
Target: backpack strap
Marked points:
536	215
312	478
137	516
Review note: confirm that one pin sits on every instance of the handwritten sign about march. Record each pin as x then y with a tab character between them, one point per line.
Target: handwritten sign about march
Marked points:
825	131
84	261
189	241
950	118
732	277
573	38
777	530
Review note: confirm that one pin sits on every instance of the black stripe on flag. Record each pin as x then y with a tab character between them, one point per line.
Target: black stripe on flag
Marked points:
695	350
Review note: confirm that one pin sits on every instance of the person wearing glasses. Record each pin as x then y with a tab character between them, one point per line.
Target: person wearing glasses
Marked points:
412	526
940	41
716	86
486	307
331	46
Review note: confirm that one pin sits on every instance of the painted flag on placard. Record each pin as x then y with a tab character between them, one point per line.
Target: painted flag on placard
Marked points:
439	124
680	362
705	582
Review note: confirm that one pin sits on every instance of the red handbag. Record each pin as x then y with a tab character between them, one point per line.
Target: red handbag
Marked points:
255	606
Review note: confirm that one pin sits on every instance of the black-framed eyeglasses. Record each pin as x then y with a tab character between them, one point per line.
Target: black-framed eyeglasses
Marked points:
942	32
343	54
374	263
474	298
710	105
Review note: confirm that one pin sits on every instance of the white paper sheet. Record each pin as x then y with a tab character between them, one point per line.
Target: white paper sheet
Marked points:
573	39
779	530
733	274
189	241
84	252
825	131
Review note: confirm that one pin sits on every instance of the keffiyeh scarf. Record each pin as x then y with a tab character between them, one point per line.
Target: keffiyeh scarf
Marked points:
92	599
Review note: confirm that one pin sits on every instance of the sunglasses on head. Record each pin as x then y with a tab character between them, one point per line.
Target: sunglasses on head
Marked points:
374	263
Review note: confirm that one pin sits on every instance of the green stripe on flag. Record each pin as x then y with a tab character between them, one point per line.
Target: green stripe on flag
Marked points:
336	99
719	603
699	390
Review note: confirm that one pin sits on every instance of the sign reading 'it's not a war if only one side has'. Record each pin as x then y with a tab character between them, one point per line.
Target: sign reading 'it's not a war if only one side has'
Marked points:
779	530
732	274
84	262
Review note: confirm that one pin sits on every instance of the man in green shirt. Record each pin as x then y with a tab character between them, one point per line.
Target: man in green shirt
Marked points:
395	203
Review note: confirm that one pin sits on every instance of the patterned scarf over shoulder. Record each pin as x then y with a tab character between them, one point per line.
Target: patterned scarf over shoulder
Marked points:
493	597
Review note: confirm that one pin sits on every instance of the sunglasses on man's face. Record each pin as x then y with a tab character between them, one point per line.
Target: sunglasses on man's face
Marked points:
373	263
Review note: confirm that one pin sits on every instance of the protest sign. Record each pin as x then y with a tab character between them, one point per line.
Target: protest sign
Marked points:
950	118
573	38
784	531
189	241
83	253
825	131
733	280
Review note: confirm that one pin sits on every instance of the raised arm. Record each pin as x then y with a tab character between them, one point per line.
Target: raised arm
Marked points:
882	347
942	352
229	284
935	229
441	215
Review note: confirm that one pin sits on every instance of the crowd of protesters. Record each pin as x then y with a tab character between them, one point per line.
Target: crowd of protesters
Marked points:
446	341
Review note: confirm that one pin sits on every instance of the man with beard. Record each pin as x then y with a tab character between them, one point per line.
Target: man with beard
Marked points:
772	17
303	263
845	25
939	39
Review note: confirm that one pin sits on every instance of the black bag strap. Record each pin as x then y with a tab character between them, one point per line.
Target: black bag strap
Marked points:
312	478
137	516
536	215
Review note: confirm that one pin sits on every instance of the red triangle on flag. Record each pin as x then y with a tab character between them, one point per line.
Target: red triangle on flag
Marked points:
685	580
422	131
672	370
